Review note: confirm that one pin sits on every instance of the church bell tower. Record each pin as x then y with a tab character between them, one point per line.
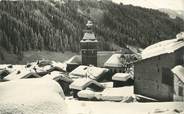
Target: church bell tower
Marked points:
89	46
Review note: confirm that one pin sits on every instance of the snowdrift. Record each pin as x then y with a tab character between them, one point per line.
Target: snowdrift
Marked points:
31	96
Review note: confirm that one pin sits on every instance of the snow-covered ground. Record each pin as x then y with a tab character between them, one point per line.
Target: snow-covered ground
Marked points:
45	96
92	107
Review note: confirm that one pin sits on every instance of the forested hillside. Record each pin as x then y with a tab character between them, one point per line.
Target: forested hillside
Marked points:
58	26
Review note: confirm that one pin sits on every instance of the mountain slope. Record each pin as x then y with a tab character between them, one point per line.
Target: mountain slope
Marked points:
155	4
173	13
56	26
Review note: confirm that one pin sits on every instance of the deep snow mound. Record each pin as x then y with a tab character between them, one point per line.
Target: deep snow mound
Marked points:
31	96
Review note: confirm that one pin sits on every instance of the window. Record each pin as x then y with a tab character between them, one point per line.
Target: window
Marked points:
158	70
180	91
83	51
167	76
158	57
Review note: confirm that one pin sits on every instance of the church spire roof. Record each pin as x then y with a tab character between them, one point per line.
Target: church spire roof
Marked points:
89	35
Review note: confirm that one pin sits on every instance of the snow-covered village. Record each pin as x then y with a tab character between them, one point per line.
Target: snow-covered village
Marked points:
123	79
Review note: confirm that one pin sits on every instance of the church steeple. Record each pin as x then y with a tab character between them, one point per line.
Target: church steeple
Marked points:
89	46
89	26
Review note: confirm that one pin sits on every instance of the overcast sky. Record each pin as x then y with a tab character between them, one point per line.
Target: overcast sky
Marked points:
155	4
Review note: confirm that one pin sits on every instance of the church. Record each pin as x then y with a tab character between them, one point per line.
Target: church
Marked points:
89	46
91	56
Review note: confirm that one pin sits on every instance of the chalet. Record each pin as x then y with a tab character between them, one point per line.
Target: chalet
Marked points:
114	63
122	79
81	84
95	73
153	76
73	63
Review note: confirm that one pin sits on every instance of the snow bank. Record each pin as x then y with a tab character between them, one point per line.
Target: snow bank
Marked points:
31	96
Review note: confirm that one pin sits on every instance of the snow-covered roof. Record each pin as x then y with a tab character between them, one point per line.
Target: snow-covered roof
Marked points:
53	75
80	84
88	71
59	65
163	47
19	74
116	94
89	37
121	76
114	61
32	96
89	94
79	71
109	94
75	60
179	72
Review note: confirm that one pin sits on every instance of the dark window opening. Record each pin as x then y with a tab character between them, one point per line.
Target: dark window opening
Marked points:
157	86
158	57
32	76
158	69
167	76
180	91
96	87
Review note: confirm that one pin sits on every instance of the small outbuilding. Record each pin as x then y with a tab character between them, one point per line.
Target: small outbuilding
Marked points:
114	63
122	79
73	63
81	84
